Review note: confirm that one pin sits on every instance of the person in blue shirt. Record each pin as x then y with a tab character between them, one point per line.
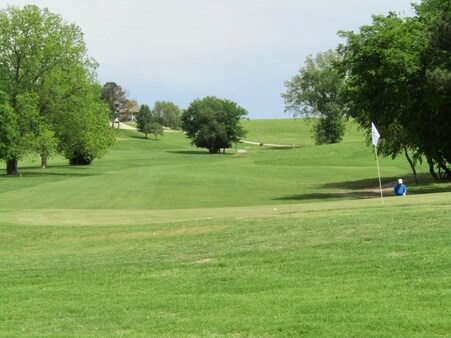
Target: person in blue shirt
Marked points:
400	188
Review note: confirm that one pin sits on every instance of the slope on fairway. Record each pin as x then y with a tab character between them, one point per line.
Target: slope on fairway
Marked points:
169	174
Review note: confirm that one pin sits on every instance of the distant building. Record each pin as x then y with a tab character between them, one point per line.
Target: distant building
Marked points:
130	112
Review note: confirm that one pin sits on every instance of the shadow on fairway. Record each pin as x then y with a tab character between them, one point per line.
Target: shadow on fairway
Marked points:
326	196
197	152
427	184
54	170
360	189
282	148
372	183
139	137
369	188
431	187
44	174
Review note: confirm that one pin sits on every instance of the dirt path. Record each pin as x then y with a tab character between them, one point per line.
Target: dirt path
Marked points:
125	126
270	144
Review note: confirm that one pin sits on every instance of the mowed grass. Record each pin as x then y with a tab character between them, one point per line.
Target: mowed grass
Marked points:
354	272
169	173
162	239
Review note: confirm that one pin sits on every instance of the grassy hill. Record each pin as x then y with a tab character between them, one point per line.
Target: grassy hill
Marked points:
291	131
161	239
169	173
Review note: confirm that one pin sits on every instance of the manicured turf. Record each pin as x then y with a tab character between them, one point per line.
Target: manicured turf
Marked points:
162	239
141	174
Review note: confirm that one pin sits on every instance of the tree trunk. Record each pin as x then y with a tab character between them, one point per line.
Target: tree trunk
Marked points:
412	165
11	167
43	161
431	169
447	173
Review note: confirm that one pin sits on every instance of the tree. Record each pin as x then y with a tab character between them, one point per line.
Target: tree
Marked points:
213	123
46	144
154	128
9	130
72	106
116	98
437	16
86	113
144	119
43	66
314	92
389	67
167	114
384	76
35	133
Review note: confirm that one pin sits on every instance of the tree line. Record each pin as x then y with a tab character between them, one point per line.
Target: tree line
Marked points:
395	72
211	123
51	102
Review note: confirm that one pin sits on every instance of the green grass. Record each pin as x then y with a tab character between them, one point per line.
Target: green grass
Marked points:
325	273
297	131
169	174
161	239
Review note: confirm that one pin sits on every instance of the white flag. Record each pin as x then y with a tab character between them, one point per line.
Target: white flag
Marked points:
375	134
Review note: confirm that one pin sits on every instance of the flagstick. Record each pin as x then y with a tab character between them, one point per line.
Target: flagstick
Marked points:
379	174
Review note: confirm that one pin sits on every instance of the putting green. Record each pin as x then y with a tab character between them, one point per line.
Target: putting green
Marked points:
89	217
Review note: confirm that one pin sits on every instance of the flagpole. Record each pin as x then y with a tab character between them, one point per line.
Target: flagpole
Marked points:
379	175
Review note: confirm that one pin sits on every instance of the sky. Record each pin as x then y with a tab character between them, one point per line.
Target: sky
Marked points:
240	50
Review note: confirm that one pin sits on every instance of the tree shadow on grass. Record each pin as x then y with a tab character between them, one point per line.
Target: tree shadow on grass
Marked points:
330	196
197	152
359	189
66	170
142	137
47	173
427	184
370	183
369	188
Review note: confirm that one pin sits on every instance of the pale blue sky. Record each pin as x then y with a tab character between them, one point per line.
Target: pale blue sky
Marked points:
242	50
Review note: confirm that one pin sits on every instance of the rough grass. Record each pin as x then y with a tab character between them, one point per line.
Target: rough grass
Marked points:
356	271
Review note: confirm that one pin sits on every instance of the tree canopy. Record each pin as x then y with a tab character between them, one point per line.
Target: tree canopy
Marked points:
144	119
397	76
314	92
116	98
213	123
154	128
48	79
167	114
9	131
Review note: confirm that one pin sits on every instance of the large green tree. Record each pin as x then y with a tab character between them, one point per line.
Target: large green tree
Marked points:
213	123
315	92
44	66
391	69
384	76
436	14
83	128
